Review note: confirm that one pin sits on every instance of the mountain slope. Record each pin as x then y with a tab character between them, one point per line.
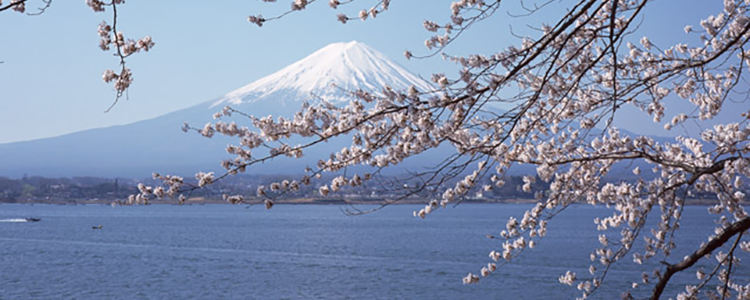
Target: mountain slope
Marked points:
135	150
349	66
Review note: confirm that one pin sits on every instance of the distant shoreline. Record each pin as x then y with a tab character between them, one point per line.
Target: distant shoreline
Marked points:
319	201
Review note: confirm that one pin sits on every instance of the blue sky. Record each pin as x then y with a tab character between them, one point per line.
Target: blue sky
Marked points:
50	81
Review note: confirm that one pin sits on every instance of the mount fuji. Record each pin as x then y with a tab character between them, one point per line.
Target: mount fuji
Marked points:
158	145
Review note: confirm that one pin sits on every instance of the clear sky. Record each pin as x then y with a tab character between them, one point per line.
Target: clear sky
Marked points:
50	78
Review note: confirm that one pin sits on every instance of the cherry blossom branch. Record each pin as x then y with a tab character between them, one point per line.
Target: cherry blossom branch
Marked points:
737	228
16	5
730	258
111	37
124	70
560	87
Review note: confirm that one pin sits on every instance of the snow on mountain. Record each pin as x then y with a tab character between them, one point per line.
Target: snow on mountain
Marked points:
157	145
349	66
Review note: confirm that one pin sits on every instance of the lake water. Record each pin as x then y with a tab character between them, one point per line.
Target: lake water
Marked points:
297	251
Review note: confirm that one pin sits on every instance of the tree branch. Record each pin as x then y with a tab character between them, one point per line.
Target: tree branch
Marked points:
12	4
736	228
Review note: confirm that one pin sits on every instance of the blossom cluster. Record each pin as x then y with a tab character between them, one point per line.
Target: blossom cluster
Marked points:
111	37
17	5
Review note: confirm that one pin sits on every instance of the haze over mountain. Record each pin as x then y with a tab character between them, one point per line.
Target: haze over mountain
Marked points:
158	145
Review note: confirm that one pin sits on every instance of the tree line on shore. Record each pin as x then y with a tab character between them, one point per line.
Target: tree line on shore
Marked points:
36	189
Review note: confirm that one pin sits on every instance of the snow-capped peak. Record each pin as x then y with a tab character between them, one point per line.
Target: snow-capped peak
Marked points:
349	66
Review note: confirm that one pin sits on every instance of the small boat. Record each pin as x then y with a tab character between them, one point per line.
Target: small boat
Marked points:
33	219
96	227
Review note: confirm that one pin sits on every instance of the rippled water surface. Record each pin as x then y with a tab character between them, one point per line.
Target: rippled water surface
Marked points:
295	251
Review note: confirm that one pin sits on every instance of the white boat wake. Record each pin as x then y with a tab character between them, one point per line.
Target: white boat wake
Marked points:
14	220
